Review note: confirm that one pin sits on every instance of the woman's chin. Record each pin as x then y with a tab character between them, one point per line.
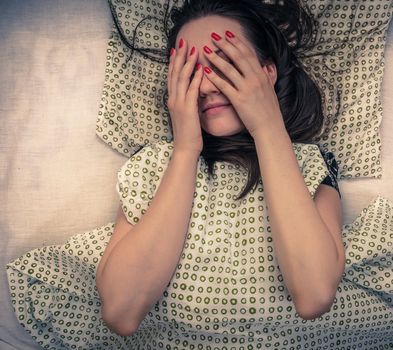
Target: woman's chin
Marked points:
222	132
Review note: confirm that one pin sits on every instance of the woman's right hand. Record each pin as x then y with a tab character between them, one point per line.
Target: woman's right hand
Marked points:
183	100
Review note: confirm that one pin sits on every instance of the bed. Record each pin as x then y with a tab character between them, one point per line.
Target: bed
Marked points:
58	176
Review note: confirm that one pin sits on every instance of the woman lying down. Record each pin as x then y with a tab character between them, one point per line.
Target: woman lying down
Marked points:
230	236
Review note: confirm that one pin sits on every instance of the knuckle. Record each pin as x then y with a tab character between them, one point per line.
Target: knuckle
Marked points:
226	68
181	76
247	53
237	56
184	74
170	104
192	88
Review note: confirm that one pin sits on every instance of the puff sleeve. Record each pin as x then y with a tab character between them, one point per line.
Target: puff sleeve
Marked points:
331	179
140	176
312	165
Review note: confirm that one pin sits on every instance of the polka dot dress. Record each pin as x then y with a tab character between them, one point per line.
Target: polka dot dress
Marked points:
347	65
227	291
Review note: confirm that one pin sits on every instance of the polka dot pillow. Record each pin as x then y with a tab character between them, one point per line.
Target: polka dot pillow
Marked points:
347	64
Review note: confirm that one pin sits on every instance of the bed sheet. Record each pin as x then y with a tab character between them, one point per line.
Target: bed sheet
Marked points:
57	177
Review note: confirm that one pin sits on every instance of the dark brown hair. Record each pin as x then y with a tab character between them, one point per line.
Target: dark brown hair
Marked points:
281	32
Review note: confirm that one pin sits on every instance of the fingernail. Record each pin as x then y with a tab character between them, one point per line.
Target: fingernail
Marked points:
207	70
206	49
199	65
192	50
215	36
172	51
229	34
181	43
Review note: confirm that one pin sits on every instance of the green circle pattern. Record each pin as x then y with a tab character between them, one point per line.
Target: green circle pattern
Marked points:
347	65
227	291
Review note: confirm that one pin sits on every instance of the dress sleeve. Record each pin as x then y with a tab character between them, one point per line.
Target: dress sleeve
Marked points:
140	177
331	179
312	165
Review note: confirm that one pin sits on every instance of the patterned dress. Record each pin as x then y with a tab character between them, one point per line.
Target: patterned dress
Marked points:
227	291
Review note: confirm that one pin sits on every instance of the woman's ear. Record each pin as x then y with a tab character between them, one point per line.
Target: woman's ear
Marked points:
272	72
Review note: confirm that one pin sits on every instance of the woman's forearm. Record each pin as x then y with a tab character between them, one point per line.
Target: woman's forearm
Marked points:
305	249
142	264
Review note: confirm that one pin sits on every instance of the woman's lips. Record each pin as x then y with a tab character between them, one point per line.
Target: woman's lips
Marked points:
216	110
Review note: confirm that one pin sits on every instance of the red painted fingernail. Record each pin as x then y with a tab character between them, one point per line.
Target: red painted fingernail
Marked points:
229	34
207	70
172	51
199	66
192	50
207	50
215	36
181	43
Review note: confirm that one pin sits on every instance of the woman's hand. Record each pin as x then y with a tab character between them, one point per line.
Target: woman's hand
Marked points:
183	99
247	84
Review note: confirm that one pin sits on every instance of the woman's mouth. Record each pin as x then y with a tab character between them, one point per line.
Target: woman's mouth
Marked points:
216	110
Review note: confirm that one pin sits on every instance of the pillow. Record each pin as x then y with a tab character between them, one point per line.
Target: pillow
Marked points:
347	65
132	111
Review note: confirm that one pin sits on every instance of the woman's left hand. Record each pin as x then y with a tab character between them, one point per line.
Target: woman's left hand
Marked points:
247	84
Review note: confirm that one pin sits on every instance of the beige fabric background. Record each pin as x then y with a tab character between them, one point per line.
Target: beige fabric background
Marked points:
57	177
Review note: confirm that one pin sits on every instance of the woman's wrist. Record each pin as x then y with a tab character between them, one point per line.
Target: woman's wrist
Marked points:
186	154
269	130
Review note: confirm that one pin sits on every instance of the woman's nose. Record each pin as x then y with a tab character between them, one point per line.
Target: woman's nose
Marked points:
207	87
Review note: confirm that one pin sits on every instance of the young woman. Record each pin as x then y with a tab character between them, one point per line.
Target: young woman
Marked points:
230	235
245	59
